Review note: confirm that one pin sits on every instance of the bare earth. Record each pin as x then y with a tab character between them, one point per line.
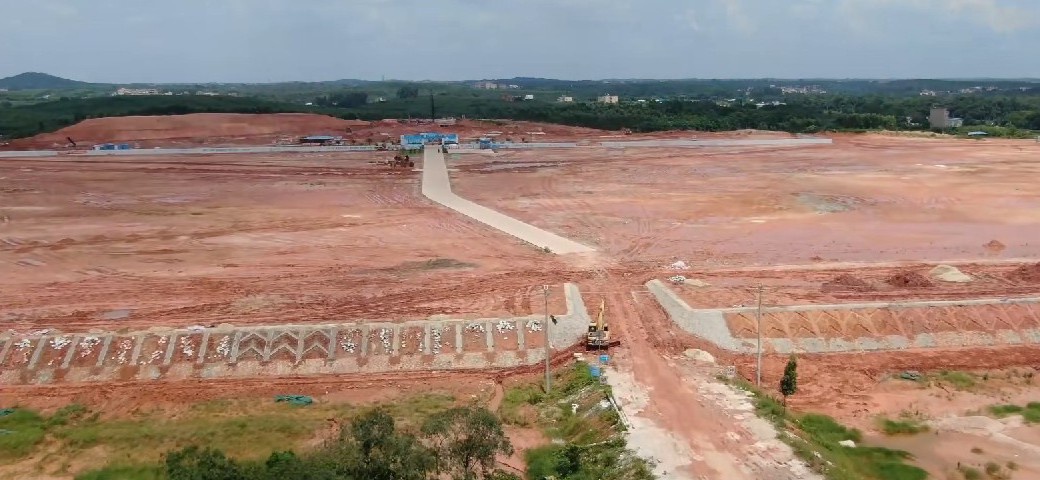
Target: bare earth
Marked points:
128	243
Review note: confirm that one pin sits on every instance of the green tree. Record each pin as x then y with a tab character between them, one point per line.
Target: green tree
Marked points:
407	91
789	382
466	441
376	451
194	463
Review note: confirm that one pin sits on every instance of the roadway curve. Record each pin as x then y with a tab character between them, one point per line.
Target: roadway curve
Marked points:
437	187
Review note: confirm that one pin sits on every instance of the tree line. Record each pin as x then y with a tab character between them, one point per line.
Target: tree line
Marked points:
1003	115
460	444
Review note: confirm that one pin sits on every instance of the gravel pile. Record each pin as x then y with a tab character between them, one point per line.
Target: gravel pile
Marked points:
947	273
435	339
86	346
224	347
187	348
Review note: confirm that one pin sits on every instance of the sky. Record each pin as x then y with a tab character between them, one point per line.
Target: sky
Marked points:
168	41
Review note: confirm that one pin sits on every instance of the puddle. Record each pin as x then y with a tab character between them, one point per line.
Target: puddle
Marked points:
116	314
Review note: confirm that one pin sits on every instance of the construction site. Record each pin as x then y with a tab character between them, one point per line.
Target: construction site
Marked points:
140	280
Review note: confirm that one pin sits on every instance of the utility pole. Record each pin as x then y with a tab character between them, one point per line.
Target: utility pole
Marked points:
548	375
758	320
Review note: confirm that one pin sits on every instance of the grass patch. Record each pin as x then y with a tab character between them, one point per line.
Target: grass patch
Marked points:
970	473
20	432
244	429
124	473
587	439
958	380
814	438
1005	410
902	427
1030	413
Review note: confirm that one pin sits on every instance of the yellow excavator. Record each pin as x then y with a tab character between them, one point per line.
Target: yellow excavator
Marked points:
599	332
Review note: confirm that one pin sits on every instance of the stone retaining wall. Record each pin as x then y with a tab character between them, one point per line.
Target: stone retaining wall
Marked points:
439	343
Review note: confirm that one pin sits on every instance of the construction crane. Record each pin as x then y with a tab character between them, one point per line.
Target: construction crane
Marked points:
72	143
598	336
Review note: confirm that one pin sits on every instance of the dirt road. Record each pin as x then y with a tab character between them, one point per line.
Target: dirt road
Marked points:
672	421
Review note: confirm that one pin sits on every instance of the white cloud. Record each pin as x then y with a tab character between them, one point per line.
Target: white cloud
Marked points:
738	16
1004	16
689	18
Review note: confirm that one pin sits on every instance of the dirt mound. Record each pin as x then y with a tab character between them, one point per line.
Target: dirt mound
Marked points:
846	282
194	129
908	280
947	273
1026	273
994	246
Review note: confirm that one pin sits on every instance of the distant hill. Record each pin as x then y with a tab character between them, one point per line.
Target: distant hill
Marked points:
38	81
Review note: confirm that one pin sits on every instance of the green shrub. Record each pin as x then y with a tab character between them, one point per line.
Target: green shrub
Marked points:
123	473
971	473
827	431
902	427
1005	410
20	432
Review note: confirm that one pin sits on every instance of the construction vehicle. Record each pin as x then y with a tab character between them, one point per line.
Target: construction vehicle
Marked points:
401	161
72	143
598	336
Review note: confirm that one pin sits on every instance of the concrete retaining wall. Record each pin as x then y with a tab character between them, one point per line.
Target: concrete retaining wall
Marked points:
345	348
778	142
851	327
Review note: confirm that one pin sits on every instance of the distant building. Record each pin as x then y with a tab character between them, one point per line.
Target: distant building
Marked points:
137	91
608	98
528	97
940	118
565	99
486	85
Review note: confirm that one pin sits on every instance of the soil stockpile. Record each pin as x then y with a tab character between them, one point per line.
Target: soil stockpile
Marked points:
994	246
1026	273
197	128
908	280
947	273
846	282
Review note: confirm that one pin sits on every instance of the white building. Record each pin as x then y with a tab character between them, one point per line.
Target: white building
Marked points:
565	99
608	98
137	91
940	118
529	97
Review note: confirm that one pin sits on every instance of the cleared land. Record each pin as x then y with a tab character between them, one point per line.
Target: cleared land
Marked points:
247	240
866	198
129	244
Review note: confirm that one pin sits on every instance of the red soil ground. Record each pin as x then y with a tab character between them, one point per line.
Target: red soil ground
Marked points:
867	198
228	129
309	238
260	240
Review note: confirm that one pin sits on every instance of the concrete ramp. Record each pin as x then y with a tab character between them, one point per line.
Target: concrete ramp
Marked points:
859	327
437	187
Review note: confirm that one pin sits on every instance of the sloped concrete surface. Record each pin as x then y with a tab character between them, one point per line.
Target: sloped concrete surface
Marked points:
860	327
437	187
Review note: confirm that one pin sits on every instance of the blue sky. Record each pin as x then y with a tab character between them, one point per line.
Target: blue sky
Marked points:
124	41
